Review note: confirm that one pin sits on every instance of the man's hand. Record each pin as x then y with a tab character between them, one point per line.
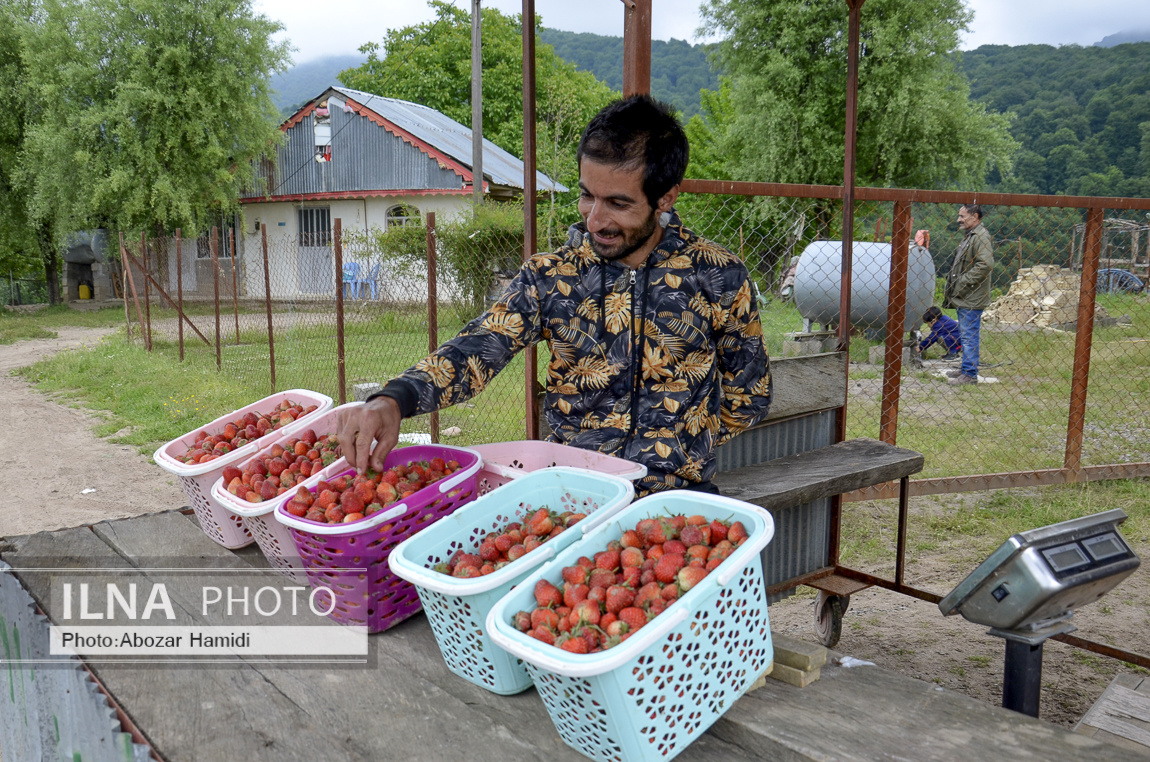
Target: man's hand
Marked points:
377	420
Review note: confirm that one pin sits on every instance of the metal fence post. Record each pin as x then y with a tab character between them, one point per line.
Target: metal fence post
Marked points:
341	369
180	287
235	287
529	203
1083	337
432	312
268	297
895	323
216	286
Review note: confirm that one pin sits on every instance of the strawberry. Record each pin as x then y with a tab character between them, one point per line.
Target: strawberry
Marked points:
668	566
631	557
630	576
585	561
585	612
515	552
488	551
631	539
646	594
522	621
334	514
601	578
573	594
669	593
633	617
691	535
231	472
697	552
540	522
547	594
696	520
532	542
543	634
607	559
576	575
658	606
606	620
619	598
737	533
690	576
575	645
597	594
675	546
574	519
544	618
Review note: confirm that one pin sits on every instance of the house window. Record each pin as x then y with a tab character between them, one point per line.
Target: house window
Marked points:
315	226
402	214
225	244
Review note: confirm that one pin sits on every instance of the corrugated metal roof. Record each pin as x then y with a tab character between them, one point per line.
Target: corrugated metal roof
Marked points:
450	137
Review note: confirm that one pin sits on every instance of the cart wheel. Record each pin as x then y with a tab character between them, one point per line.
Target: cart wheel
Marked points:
829	617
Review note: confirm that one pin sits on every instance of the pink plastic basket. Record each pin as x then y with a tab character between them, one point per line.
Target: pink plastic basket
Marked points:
350	560
504	461
197	479
274	538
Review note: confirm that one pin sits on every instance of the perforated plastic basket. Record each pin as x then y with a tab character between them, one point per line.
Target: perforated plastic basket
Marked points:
197	479
456	607
504	461
650	696
274	538
350	560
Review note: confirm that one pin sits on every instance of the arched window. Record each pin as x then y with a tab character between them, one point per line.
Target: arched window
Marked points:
402	214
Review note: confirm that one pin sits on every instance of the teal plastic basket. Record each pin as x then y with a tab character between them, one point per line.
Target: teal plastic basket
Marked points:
456	607
649	697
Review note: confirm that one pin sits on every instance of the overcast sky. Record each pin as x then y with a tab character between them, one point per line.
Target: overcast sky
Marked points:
340	26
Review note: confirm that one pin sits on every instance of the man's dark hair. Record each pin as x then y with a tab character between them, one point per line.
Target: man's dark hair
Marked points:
639	132
931	314
974	209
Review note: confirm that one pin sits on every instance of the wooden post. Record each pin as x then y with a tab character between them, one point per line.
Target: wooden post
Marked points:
341	370
147	298
432	311
216	285
895	322
124	257
1083	336
268	297
180	286
530	356
123	292
235	287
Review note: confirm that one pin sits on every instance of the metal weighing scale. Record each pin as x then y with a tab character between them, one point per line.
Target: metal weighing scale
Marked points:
1028	589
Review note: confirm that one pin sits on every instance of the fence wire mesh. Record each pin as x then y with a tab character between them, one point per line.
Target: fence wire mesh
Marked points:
1017	419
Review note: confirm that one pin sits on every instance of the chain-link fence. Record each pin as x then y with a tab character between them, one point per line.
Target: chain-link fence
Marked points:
334	310
1037	367
1034	358
20	291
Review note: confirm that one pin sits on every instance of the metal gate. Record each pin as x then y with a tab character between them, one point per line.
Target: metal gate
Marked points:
315	271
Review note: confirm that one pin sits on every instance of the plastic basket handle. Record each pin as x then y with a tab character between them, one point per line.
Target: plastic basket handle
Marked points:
459	477
600	517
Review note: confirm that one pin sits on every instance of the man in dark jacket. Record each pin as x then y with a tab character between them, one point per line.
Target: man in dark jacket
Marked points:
657	352
968	288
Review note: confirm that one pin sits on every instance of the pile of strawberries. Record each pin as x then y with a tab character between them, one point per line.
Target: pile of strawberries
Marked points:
351	497
605	599
239	432
281	467
510	543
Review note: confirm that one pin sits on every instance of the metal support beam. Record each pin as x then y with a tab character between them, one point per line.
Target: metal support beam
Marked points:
636	47
530	245
1083	337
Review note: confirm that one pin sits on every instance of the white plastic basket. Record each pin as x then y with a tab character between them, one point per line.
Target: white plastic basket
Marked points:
274	538
457	607
504	461
649	697
197	479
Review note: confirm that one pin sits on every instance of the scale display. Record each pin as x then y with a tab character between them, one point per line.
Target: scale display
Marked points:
1046	573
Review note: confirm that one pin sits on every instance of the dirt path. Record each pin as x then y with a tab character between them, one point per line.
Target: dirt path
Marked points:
52	459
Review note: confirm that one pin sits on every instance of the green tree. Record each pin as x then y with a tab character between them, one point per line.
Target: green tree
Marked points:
144	114
19	252
917	126
430	64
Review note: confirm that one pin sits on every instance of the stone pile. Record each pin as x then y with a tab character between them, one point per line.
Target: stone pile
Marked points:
1044	295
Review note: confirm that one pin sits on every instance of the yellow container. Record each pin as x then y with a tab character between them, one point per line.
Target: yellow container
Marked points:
85	292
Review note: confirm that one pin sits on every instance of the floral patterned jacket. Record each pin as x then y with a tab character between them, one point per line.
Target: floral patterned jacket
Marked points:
657	365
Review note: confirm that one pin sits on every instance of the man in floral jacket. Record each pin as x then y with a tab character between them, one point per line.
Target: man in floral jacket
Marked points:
657	351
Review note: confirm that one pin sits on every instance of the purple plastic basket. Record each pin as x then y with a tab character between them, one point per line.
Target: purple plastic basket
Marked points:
350	560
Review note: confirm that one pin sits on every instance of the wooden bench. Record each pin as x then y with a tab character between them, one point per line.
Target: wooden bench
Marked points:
791	466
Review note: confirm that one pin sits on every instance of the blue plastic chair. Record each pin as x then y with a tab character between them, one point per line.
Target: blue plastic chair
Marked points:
351	278
372	280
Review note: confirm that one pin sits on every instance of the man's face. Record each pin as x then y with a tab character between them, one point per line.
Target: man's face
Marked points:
618	216
966	220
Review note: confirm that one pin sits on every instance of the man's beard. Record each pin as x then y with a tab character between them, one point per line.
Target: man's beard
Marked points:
629	245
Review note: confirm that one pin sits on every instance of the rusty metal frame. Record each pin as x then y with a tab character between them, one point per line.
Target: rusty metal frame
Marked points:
432	313
530	232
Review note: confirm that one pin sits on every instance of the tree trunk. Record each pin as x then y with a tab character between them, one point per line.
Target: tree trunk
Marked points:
51	261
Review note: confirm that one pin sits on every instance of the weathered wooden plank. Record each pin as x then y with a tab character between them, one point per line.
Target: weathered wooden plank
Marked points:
868	713
404	704
1121	715
799	479
807	384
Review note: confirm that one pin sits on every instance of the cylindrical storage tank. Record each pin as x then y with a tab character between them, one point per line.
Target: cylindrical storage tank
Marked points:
818	282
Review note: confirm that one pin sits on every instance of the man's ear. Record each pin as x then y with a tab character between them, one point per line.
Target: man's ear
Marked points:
667	200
